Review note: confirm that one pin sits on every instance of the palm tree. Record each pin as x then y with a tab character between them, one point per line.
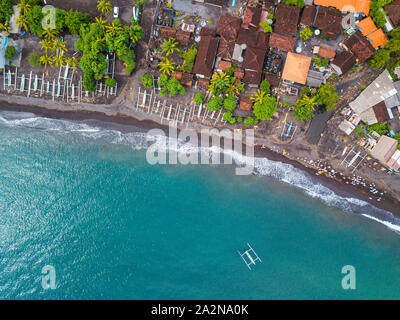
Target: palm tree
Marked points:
24	6
114	28
60	47
22	23
218	82
73	62
167	66
104	7
135	33
258	96
169	46
47	60
50	34
59	61
46	45
5	27
101	21
307	101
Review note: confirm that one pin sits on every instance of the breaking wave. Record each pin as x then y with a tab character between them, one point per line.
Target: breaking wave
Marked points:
139	140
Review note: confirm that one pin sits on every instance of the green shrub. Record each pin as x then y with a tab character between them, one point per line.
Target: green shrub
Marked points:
110	82
34	59
147	80
11	52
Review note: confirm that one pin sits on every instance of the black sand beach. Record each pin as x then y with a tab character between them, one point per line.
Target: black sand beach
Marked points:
129	124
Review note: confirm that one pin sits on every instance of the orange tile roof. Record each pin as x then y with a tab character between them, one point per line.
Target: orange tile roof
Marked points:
296	68
346	5
378	38
367	26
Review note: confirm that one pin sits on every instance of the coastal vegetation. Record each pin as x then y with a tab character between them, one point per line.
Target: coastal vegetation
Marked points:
11	52
389	56
170	86
325	98
199	98
97	38
377	13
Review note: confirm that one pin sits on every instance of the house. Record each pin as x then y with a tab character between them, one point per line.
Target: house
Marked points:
315	79
324	52
296	68
359	46
368	105
239	73
274	80
393	11
183	37
203	83
245	104
347	127
226	48
228	26
376	36
253	65
252	38
252	18
343	62
309	15
222	66
207	32
329	22
282	42
167	32
366	26
286	19
359	6
386	152
205	58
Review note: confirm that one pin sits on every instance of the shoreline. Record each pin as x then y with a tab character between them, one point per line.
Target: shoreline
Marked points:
114	116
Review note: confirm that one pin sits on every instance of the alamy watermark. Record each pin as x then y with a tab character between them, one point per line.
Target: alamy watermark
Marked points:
48	277
349	280
204	147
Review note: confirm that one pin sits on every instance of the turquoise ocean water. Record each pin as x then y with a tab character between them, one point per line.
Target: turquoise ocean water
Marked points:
82	198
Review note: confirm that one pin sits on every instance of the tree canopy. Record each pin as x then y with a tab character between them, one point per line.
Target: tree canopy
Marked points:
265	109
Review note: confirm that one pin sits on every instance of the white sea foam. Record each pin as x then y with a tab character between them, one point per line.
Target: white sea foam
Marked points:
283	172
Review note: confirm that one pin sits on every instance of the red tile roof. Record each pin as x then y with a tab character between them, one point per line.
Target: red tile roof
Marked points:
226	48
345	61
228	26
252	77
282	42
223	65
381	112
286	19
329	21
253	38
203	84
183	37
254	59
239	73
245	104
167	32
205	56
252	18
308	16
360	46
325	52
393	11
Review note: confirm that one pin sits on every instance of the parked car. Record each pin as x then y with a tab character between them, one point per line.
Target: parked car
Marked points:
116	12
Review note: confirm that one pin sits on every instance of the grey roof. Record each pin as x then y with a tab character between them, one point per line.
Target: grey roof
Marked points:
393	101
315	79
379	90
